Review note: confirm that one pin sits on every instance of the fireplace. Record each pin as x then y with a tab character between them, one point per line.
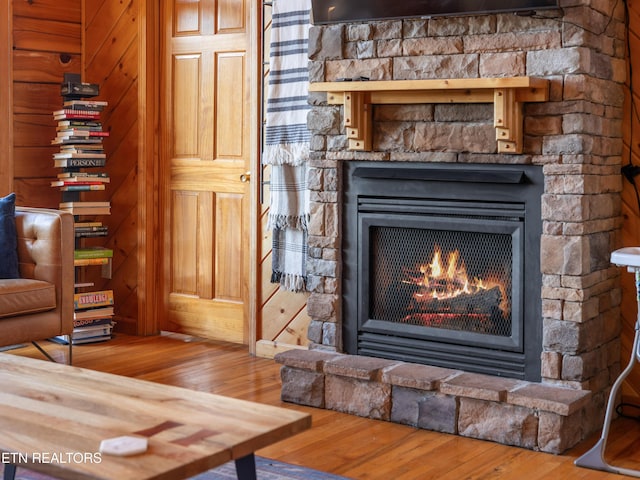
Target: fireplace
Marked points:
441	265
560	326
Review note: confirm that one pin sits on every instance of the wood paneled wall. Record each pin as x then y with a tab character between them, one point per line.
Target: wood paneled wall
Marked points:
6	97
119	52
630	207
110	51
46	43
101	40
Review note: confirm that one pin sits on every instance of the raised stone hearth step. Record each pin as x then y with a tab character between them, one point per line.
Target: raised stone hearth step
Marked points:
513	412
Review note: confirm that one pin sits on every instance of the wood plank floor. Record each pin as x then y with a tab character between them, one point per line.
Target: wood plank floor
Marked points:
347	445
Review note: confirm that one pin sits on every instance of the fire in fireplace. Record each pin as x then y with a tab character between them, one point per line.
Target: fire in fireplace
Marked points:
440	292
442	265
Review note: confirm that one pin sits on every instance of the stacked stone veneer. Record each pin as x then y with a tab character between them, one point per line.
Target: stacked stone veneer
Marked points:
511	412
576	137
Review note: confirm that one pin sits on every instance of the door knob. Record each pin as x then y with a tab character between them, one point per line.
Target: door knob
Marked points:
245	177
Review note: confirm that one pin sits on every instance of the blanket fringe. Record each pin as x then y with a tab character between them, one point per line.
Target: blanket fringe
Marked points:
295	154
290	282
296	222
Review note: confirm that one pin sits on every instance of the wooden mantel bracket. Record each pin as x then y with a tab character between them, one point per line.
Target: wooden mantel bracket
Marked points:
507	95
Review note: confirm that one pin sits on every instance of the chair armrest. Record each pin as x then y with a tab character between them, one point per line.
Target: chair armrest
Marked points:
45	252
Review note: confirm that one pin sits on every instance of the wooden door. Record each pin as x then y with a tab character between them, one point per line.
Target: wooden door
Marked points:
207	132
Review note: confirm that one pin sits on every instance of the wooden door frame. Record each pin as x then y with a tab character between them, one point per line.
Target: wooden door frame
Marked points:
157	270
6	97
148	215
164	193
255	72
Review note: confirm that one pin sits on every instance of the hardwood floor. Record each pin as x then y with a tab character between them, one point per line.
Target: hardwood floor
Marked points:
343	444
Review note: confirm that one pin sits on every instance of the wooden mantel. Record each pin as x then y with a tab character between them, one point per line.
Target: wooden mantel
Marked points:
507	95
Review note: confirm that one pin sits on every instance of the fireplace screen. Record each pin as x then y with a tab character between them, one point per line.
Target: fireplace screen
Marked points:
442	265
442	279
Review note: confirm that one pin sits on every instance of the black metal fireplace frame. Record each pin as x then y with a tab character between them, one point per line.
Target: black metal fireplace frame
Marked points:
401	193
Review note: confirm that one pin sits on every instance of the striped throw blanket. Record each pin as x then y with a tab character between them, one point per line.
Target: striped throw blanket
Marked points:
286	133
286	146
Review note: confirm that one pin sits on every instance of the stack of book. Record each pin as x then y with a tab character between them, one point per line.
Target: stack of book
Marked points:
79	136
87	256
92	318
80	181
90	229
81	158
92	256
86	208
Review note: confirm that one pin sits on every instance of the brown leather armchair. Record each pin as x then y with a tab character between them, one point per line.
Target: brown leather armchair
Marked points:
39	305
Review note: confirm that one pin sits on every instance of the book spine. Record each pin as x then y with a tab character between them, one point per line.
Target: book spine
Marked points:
63	155
99	332
75	141
72	111
79	123
87	211
90	322
81	132
81	181
82	204
83	262
77	114
80	162
87	106
101	298
95	228
93	253
85	182
84	176
85	152
87	224
81	188
81	341
102	233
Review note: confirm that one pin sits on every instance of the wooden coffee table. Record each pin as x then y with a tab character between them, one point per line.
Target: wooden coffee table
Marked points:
53	418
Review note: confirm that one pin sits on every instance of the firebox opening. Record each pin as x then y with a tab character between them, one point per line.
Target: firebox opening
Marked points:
442	279
444	272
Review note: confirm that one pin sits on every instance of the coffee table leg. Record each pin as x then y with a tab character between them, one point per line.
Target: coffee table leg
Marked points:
9	471
246	468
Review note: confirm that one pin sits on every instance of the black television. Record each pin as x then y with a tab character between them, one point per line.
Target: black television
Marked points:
347	11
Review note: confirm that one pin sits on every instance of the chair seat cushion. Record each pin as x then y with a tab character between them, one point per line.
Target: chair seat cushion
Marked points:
21	296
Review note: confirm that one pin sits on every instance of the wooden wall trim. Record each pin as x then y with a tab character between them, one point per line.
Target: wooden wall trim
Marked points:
255	64
6	97
149	272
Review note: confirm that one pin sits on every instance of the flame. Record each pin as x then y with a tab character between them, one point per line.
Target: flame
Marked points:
446	280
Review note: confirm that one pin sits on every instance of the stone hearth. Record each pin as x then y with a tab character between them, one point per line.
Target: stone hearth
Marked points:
576	137
511	412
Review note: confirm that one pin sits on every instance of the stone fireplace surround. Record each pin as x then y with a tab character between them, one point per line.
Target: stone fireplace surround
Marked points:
576	137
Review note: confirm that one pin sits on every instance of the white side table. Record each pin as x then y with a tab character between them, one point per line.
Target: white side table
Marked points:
625	257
